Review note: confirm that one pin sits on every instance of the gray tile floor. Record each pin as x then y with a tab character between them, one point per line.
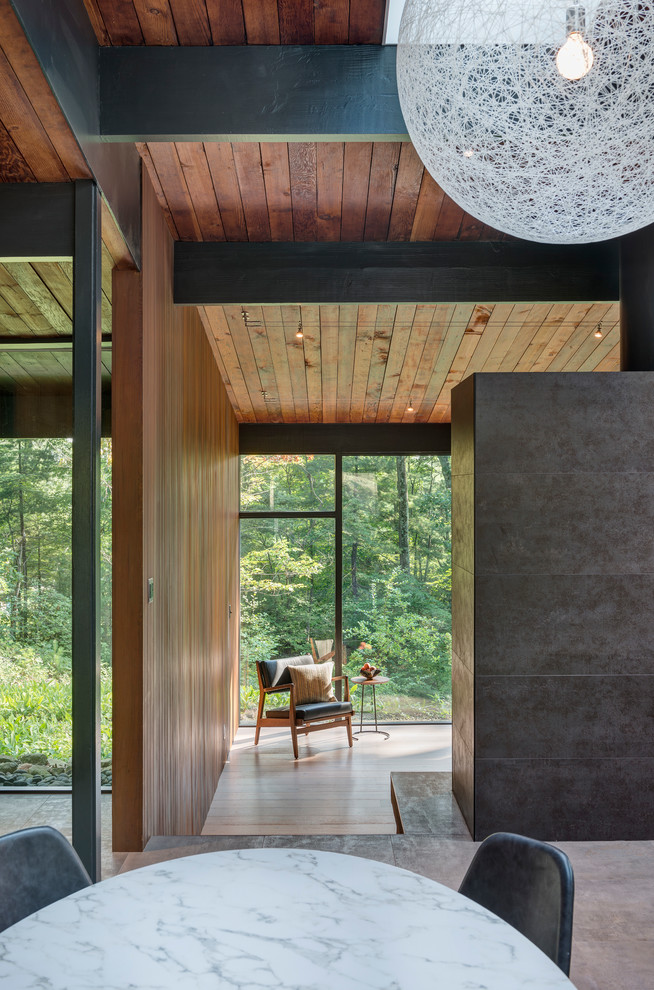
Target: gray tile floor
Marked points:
613	945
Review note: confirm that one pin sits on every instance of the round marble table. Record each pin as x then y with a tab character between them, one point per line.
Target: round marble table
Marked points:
270	918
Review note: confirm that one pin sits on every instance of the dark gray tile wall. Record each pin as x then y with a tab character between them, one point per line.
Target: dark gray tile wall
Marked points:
553	604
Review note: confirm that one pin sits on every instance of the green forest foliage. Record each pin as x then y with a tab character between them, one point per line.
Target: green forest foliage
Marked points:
396	566
35	596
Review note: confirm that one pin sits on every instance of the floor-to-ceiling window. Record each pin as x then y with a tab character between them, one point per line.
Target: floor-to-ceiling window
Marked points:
387	600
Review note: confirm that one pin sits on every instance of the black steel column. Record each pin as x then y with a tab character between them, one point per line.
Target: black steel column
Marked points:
637	301
87	331
338	574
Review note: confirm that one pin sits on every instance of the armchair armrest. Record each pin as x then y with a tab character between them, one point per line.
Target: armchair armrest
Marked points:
344	677
277	687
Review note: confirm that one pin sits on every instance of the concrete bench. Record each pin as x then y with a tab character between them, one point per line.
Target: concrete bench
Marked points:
423	804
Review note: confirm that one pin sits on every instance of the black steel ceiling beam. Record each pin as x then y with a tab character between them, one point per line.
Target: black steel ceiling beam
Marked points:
37	221
63	41
456	271
250	93
344	438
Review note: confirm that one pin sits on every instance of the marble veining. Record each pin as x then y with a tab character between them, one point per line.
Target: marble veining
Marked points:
259	918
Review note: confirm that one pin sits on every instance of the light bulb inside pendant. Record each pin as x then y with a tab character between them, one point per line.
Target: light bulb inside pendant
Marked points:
575	58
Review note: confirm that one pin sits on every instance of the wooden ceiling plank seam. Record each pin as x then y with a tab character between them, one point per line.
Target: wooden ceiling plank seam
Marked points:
347	331
490	333
365	332
415	348
34	287
380	349
383	178
596	313
302	167
57	282
599	352
165	158
97	22
295	355
612	360
258	335
191	22
310	316
296	22
121	22
215	350
29	74
526	333
220	158
407	189
402	325
21	304
11	321
13	167
471	228
249	174
367	22
555	318
329	322
519	314
219	327
441	319
457	373
195	169
357	161
278	352
460	317
146	158
156	22
15	371
428	208
560	336
247	360
588	345
329	189
226	22
261	22
25	127
450	218
331	22
277	183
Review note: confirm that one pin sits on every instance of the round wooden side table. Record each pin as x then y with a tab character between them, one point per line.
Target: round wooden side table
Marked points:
373	682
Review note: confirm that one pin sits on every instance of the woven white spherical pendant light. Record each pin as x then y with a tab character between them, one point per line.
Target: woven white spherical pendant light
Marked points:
535	116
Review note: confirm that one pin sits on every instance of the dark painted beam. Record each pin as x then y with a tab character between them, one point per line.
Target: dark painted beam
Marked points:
457	271
344	438
87	392
64	43
637	301
37	220
254	92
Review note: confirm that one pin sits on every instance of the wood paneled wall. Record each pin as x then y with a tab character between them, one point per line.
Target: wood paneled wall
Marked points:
176	678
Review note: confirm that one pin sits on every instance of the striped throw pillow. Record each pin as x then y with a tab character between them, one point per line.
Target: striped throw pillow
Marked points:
312	683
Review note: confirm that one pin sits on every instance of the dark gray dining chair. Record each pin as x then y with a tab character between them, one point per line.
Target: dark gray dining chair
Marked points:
37	867
528	884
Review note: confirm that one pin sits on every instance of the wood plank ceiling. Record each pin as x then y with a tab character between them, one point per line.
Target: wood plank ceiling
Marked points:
36	311
370	364
355	363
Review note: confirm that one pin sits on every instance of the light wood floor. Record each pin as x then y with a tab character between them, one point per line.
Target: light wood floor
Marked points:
330	789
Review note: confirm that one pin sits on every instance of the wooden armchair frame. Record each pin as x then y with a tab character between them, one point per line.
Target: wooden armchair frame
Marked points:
297	725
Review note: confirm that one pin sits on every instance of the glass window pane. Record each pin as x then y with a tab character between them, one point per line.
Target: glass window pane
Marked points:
287	482
397	580
287	594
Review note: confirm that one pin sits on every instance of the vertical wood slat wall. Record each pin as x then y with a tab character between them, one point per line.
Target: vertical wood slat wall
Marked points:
185	680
